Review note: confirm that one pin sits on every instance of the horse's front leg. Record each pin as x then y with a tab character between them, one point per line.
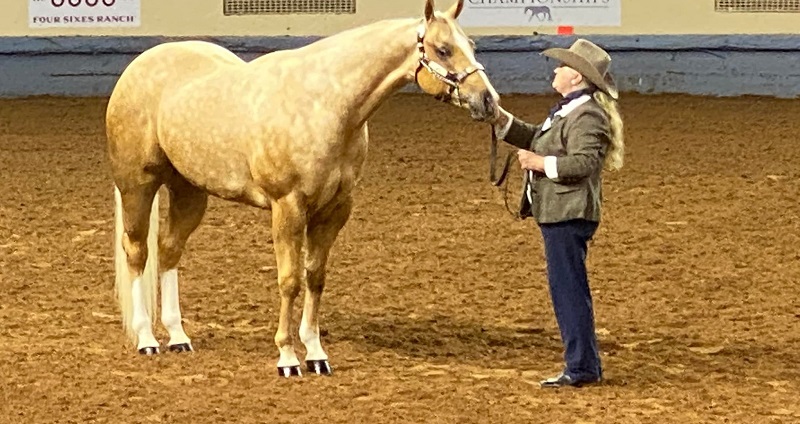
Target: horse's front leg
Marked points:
288	231
322	232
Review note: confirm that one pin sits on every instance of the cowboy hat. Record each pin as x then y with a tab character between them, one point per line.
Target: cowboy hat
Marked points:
590	61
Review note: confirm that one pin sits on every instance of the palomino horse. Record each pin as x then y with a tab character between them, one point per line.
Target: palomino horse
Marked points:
285	132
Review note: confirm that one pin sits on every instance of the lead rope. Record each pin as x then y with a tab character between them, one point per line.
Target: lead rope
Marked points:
498	182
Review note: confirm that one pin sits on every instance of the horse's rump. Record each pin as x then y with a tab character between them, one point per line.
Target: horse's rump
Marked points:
133	107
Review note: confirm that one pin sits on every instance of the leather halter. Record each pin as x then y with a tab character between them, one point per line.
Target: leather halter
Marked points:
452	79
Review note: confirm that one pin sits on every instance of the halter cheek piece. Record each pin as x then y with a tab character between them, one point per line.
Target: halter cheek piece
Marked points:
440	72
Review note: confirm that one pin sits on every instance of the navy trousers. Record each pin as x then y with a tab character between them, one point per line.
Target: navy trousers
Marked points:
565	246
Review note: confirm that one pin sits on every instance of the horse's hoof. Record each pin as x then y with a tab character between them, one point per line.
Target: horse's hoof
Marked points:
148	351
182	347
293	371
319	367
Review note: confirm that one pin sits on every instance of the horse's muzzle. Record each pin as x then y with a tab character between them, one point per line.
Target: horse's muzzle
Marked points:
483	106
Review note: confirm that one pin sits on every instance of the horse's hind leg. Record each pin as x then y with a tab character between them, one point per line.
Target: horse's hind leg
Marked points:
288	232
187	205
136	255
322	232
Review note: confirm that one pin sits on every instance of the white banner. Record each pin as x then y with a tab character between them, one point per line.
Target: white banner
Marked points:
84	13
539	13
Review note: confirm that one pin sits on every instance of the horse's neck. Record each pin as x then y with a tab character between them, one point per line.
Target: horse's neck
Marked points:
385	64
364	66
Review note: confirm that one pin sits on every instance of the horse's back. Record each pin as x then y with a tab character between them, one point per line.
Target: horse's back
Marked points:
171	65
132	112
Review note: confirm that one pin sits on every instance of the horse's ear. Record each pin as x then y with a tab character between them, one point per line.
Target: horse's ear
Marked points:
456	9
428	10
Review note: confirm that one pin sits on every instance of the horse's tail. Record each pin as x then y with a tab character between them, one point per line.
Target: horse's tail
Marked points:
149	280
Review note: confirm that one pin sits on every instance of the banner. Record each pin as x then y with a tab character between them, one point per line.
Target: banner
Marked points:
540	13
84	13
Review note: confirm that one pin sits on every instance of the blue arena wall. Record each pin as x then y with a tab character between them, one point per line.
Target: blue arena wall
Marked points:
712	65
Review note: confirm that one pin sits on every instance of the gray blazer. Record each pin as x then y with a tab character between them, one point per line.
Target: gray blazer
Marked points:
579	141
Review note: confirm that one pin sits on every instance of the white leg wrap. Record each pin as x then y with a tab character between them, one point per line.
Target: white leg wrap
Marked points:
170	308
310	338
141	323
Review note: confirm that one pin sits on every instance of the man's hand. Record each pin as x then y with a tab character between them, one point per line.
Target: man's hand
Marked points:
530	161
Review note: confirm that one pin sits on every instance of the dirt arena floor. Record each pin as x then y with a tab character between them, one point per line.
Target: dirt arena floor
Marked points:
437	309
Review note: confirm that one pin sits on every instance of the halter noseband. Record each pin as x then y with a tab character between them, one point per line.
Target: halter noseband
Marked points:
440	72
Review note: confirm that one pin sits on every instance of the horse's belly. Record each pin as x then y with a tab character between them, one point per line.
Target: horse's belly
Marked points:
215	166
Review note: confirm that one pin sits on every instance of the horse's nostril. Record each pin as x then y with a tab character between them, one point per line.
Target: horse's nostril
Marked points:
487	98
488	102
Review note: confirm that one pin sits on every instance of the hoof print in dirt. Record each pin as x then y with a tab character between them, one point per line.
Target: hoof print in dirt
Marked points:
288	372
322	367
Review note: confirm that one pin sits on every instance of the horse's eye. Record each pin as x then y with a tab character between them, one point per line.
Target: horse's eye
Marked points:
443	52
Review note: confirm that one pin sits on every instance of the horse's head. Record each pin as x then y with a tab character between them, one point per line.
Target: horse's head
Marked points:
448	69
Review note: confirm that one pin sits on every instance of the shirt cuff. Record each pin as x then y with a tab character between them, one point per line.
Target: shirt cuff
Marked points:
551	167
503	132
